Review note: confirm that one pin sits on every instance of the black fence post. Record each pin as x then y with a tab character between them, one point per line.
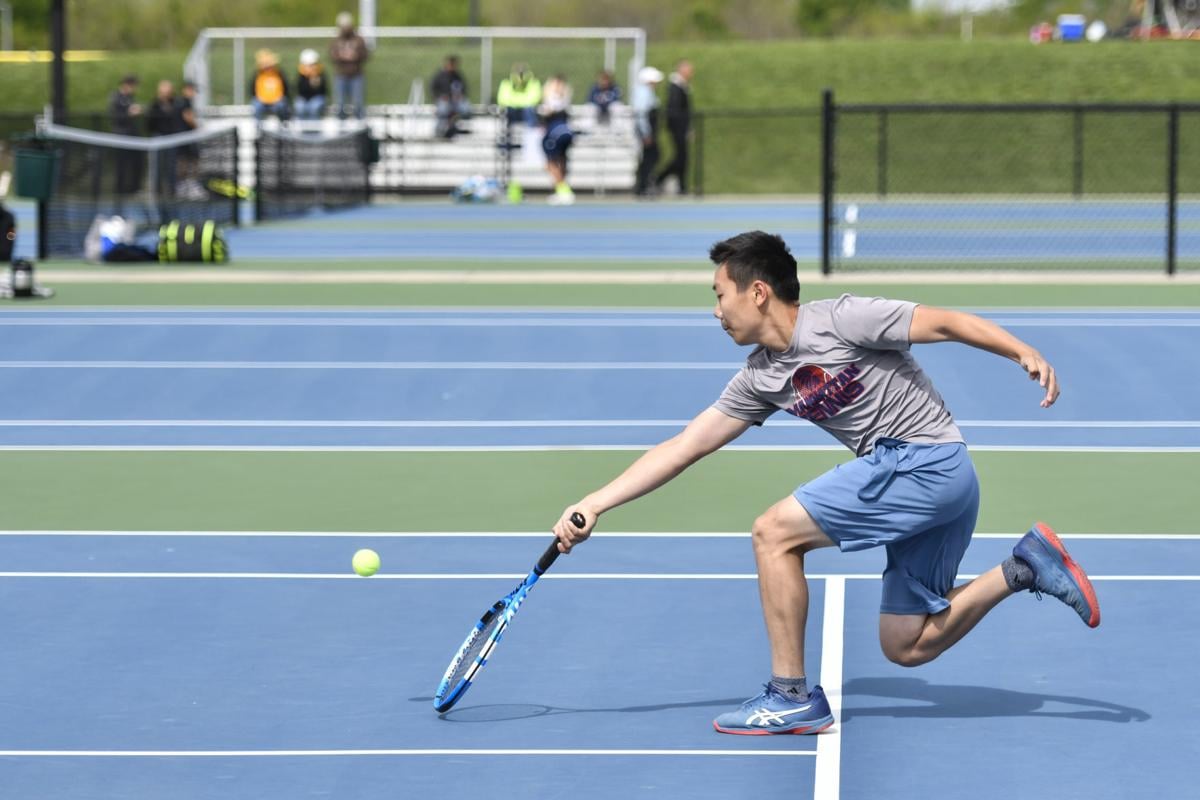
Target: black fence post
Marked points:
826	180
698	160
1172	184
258	179
1077	173
237	184
882	155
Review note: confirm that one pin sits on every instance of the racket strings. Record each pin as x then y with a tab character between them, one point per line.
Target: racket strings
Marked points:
475	645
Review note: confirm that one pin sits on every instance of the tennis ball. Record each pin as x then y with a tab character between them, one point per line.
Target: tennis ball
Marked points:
366	562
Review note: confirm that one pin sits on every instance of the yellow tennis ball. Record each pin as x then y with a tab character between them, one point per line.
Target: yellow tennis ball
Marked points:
366	562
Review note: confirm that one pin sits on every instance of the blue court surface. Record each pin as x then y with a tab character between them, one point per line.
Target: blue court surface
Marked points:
495	378
203	664
1011	232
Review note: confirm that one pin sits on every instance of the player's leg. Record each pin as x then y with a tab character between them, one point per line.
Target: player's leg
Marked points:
1040	563
781	537
914	639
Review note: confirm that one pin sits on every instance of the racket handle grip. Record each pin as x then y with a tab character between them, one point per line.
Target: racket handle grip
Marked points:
551	553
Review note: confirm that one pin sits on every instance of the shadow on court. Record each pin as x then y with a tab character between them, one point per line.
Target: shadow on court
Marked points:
508	711
942	701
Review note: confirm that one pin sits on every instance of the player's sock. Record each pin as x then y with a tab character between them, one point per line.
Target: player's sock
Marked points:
1017	574
791	688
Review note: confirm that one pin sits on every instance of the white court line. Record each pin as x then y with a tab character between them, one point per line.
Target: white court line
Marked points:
529	423
507	366
1133	537
483	322
629	312
558	576
829	744
509	534
363	322
553	448
397	752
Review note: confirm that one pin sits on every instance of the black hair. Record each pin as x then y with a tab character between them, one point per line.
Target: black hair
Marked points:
757	256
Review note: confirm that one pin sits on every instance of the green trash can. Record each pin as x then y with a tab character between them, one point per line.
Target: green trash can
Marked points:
37	172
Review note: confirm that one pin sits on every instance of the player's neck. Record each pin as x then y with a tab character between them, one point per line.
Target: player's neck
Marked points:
778	327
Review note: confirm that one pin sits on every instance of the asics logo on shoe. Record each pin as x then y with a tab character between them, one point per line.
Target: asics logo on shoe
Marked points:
768	717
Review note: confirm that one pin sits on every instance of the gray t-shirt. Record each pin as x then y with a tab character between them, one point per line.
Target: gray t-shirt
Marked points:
848	371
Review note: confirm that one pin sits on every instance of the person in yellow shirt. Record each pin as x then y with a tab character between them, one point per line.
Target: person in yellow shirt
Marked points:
269	89
519	95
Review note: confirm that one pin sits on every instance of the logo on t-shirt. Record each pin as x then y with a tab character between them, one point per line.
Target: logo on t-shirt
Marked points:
817	395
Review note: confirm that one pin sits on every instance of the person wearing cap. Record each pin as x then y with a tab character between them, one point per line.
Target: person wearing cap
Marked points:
348	52
310	86
269	89
645	114
123	113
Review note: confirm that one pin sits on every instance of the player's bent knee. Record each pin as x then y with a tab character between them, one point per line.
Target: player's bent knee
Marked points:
906	657
899	637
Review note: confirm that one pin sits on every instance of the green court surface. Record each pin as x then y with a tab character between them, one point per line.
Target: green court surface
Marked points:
1112	492
695	294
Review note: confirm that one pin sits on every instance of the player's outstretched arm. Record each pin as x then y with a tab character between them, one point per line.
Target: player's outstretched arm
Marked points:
930	324
709	431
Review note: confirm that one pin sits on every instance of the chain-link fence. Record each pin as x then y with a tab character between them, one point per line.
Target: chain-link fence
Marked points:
1086	186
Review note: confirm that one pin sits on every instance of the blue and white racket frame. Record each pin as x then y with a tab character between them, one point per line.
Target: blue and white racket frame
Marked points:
506	608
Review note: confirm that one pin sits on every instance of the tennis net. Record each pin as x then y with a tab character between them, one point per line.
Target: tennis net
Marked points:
185	176
296	173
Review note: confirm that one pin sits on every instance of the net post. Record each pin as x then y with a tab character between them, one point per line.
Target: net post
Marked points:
698	156
827	111
1172	184
43	238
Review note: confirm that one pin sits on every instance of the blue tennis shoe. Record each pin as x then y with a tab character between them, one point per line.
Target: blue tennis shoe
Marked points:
772	712
1055	573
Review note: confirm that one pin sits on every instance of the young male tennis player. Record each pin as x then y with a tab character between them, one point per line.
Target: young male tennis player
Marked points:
845	366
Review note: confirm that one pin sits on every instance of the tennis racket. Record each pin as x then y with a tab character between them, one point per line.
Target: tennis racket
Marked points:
482	639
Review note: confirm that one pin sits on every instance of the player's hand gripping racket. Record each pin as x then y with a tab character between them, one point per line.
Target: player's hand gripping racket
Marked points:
482	639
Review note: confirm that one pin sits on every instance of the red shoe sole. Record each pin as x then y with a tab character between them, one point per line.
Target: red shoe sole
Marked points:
773	733
1081	578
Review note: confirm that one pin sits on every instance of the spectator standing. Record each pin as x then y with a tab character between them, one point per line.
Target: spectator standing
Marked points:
348	52
449	90
679	123
311	89
187	105
604	94
164	118
189	155
556	139
123	113
269	89
645	112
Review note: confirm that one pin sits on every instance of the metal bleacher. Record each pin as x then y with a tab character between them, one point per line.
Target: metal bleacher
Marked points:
413	160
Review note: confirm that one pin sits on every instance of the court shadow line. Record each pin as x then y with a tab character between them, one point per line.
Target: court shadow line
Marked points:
964	702
500	712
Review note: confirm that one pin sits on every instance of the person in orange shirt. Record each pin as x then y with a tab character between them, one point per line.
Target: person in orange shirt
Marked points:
269	89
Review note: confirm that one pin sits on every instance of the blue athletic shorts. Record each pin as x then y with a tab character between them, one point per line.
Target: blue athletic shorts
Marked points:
919	501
